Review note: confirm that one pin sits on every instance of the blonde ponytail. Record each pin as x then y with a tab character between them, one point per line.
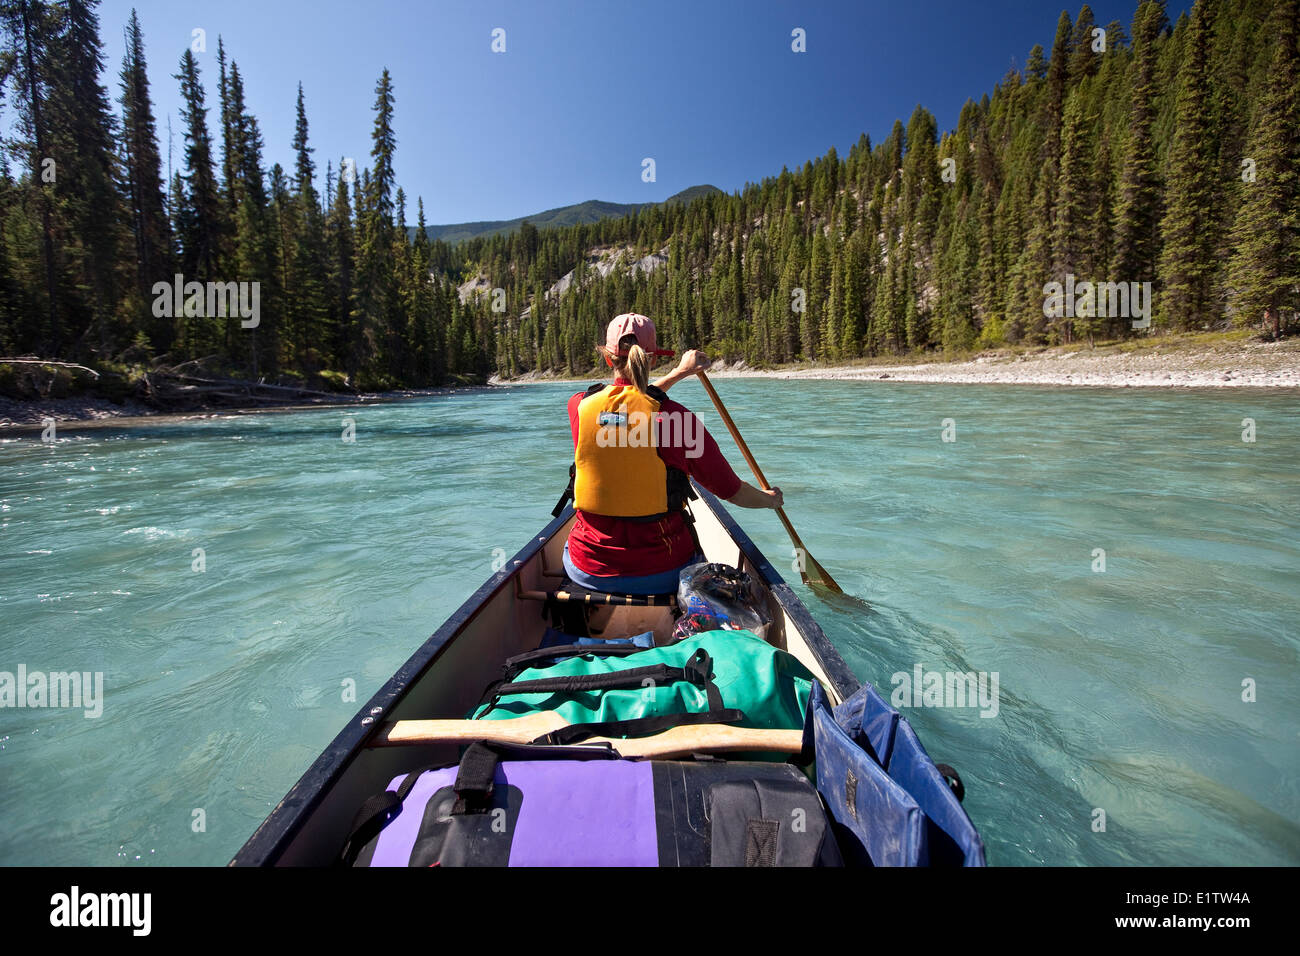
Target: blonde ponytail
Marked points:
638	368
634	366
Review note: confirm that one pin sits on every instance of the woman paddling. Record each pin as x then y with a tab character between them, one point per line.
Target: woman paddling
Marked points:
635	451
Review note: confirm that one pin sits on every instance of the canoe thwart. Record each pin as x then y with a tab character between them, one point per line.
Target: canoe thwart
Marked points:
572	594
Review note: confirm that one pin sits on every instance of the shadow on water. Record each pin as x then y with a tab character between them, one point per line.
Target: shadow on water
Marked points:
843	601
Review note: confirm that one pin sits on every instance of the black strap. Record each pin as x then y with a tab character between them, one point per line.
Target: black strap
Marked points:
375	814
475	780
680	492
689	516
698	671
611	680
568	491
761	842
519	662
476	777
638	726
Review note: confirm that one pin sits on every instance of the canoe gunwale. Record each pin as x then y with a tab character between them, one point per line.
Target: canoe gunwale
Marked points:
272	838
832	663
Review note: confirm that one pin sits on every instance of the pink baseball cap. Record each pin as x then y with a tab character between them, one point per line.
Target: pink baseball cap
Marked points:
630	323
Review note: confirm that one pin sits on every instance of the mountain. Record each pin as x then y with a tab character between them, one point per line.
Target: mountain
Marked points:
593	210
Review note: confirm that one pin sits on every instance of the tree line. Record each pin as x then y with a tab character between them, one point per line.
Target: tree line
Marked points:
1167	153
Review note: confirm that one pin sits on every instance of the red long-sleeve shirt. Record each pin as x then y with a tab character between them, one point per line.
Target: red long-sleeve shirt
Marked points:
603	545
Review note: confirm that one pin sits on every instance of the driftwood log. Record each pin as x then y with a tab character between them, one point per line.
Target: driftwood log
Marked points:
178	388
32	361
171	389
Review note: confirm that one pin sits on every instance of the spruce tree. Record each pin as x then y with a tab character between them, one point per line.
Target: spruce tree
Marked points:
306	297
83	143
198	204
832	331
1189	240
1138	214
1084	61
1076	200
142	167
1265	266
341	252
30	25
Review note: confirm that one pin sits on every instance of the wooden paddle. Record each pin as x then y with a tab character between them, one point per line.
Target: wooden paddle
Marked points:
674	742
811	571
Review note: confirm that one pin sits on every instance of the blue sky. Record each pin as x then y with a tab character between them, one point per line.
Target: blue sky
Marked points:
586	90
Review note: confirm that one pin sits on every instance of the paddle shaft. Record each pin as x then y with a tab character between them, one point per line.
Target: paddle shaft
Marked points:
674	742
762	481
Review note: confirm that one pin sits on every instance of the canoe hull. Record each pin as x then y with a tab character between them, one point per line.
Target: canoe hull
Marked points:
446	675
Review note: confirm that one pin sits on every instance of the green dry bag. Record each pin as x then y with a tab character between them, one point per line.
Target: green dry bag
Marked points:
715	670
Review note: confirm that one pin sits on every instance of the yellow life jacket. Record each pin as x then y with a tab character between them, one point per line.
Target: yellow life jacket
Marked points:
618	471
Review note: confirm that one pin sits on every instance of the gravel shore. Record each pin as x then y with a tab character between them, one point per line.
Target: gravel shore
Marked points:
1251	364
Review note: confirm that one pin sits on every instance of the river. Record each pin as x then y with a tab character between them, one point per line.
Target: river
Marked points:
1122	559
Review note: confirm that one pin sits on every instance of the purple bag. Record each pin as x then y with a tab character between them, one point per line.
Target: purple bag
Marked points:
611	824
586	807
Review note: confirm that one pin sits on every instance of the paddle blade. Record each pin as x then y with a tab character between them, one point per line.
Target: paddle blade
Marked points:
814	575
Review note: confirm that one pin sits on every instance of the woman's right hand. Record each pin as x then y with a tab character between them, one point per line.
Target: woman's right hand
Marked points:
749	496
693	361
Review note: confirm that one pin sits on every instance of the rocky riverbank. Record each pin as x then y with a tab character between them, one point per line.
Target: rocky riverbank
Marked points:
22	417
1177	364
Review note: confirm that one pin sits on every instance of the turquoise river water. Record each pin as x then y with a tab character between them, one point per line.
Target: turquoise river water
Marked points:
1160	690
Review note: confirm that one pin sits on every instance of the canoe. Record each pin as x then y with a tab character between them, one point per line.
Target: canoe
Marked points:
443	679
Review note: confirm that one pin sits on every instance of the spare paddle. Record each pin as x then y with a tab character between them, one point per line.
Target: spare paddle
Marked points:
674	742
812	572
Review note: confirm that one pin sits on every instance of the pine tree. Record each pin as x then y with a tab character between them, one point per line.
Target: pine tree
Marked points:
1084	61
341	252
1138	215
306	294
30	26
817	287
1076	200
1189	233
856	292
375	291
1265	268
832	332
87	167
14	300
142	167
198	204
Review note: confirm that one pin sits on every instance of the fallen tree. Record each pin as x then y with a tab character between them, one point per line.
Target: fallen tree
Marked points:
172	390
179	388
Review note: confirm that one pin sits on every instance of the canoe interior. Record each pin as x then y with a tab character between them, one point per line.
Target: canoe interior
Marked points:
447	675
